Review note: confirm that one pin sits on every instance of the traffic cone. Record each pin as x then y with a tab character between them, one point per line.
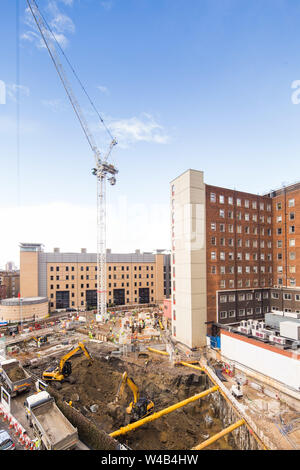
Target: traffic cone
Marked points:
22	439
11	425
27	444
17	429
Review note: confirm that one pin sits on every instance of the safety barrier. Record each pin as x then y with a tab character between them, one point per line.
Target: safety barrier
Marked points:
19	430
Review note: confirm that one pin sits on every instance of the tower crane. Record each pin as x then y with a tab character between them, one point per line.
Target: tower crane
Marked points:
103	170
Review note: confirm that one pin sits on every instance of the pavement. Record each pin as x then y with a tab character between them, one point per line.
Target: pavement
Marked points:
5	426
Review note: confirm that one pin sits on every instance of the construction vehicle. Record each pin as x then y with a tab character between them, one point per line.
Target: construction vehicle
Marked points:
64	369
14	378
49	424
236	390
140	407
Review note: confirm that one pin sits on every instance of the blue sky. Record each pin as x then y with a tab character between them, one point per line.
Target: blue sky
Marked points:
204	84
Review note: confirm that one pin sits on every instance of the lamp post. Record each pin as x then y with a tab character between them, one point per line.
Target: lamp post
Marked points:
21	319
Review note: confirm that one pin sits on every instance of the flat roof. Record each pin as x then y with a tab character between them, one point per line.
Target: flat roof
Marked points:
23	300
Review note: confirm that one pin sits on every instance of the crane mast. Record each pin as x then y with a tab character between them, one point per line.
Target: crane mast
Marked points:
103	170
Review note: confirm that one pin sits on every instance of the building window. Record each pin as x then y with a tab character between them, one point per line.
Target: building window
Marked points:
291	202
221	199
223	315
212	197
223	299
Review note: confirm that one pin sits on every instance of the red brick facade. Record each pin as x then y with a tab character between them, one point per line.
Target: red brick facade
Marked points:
286	236
239	243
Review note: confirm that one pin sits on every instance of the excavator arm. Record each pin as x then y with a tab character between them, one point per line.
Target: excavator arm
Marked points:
133	387
72	353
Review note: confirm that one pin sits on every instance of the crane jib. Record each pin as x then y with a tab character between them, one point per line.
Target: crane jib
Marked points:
103	169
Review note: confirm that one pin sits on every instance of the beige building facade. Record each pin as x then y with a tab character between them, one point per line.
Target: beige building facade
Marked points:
69	280
20	310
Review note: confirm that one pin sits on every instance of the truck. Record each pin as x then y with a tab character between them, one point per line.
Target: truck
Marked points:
14	377
49	424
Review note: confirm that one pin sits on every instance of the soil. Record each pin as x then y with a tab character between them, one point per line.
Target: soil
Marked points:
98	384
16	373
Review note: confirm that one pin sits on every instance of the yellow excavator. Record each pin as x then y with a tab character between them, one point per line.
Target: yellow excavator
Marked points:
64	369
140	407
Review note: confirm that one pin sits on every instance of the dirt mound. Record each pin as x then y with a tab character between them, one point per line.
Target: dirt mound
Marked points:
16	373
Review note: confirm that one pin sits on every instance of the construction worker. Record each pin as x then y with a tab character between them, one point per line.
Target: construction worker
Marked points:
37	443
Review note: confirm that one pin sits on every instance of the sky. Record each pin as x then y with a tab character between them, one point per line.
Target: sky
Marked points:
212	85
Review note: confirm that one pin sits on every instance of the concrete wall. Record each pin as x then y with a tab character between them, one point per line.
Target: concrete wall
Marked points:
189	259
281	365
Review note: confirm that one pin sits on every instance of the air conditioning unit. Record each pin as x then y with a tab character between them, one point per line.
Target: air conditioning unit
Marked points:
244	329
259	334
277	339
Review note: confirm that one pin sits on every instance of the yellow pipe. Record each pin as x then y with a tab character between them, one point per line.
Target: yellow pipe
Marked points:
217	436
158	414
158	351
230	403
193	366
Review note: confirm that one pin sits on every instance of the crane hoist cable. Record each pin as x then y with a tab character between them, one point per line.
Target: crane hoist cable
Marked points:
77	78
45	27
103	170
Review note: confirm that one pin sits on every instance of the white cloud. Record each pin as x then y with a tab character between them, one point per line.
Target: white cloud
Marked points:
103	89
60	23
129	226
143	129
13	89
106	4
54	105
67	2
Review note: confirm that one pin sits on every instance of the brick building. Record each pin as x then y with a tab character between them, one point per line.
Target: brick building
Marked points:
9	284
230	252
69	280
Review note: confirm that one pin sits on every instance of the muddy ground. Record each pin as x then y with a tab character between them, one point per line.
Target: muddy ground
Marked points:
98	384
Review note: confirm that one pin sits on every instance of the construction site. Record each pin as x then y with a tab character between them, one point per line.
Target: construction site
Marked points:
95	389
128	385
90	368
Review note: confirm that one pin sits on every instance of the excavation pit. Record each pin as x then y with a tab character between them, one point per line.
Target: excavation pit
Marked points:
182	429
